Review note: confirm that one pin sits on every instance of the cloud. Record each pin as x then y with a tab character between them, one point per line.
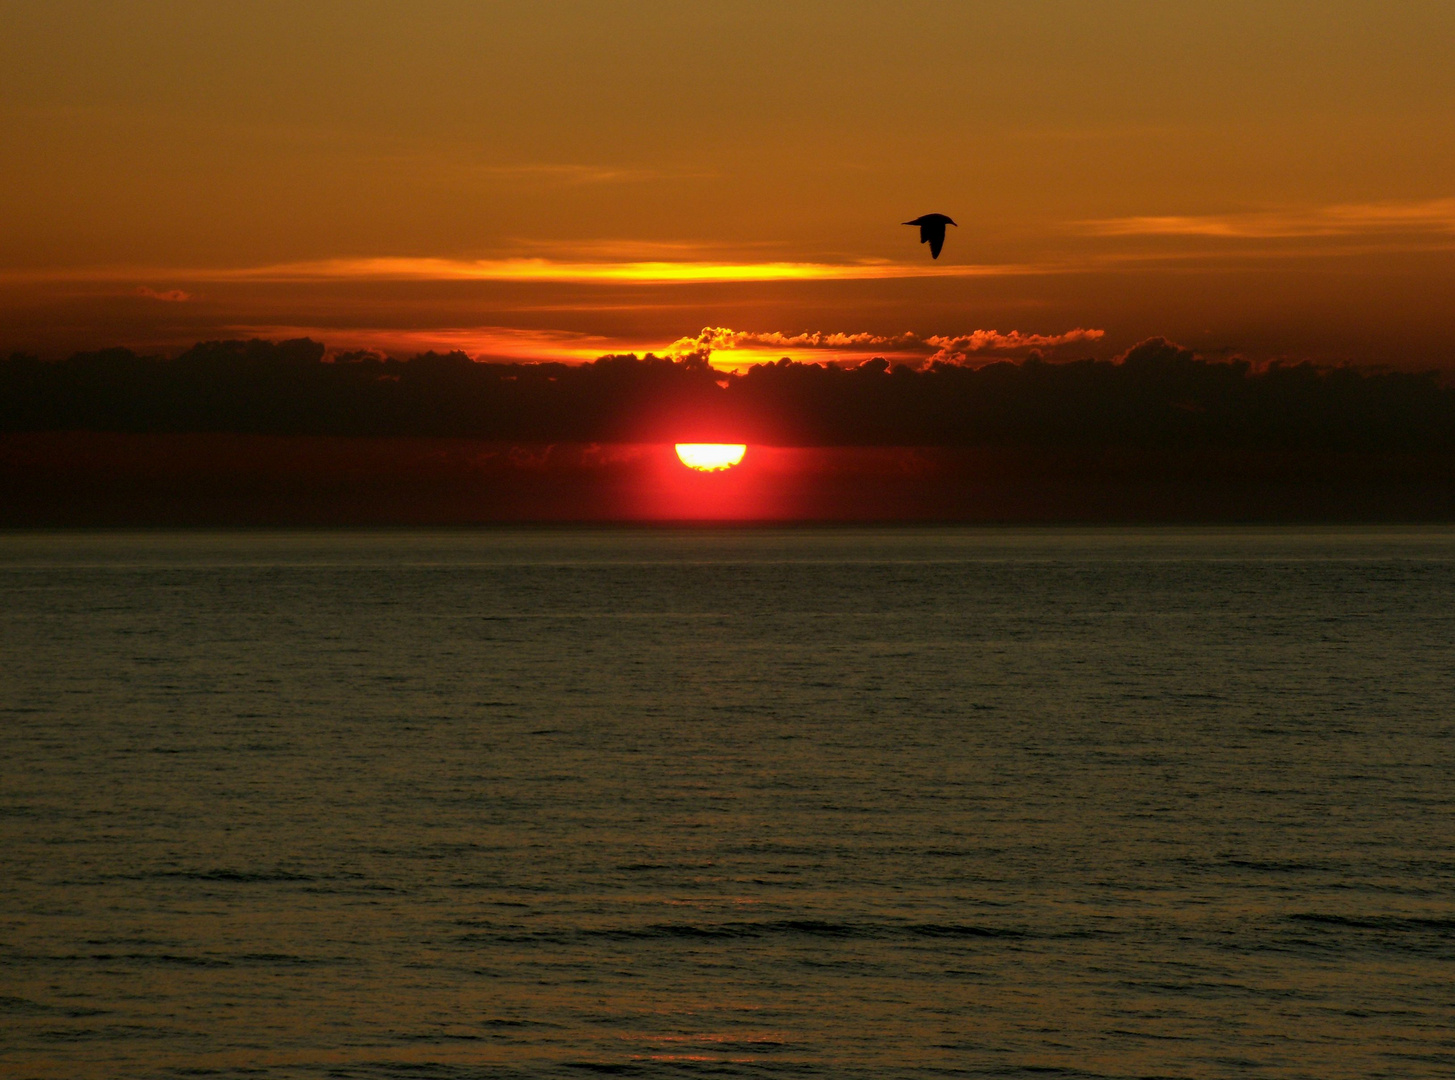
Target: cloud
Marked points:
574	175
171	296
661	271
1343	219
721	339
495	343
643	272
747	347
627	249
956	349
725	348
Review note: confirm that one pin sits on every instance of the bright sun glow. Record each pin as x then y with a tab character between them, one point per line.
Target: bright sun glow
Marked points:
710	457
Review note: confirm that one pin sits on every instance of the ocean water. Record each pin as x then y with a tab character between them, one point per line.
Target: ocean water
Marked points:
761	803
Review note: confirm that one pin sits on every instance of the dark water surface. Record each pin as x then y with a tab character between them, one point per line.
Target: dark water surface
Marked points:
831	803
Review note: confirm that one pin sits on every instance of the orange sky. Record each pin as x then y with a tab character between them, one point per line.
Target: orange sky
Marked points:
565	179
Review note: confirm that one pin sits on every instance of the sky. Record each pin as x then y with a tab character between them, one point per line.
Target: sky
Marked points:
559	180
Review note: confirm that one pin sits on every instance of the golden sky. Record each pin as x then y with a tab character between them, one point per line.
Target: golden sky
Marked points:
561	179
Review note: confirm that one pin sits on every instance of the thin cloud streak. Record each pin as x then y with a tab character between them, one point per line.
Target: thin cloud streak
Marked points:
628	249
649	272
653	272
578	174
1344	219
170	296
728	348
497	343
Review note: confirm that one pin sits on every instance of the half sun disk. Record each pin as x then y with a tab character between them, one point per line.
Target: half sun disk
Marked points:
710	457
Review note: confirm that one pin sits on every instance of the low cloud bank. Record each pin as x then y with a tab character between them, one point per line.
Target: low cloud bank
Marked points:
1158	394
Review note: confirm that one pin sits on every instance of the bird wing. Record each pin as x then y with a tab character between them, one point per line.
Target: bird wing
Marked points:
935	234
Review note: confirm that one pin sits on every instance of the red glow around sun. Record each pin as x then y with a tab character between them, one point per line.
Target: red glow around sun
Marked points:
710	457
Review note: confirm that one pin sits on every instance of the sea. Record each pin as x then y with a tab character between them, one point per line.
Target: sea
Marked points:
740	802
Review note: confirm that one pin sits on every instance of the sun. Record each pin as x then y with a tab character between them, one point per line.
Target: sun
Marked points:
710	457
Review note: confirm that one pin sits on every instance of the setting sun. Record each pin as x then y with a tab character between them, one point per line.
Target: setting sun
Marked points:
710	457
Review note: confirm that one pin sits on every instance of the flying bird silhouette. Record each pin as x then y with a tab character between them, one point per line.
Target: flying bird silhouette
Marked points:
932	231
